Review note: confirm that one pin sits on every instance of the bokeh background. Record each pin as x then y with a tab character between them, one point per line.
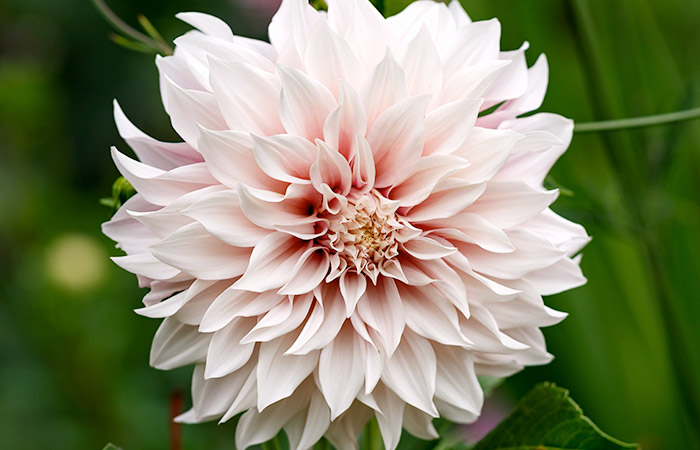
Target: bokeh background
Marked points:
74	368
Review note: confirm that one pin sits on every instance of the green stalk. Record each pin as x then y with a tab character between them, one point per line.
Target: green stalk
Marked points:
119	25
372	436
638	122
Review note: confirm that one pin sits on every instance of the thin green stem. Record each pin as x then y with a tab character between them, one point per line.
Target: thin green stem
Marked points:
372	437
119	25
638	122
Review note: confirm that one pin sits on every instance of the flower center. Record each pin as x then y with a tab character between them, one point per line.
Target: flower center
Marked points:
363	234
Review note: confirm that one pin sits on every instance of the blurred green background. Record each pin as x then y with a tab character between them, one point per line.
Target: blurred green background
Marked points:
74	368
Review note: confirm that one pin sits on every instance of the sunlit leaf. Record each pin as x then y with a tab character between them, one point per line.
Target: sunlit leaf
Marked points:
548	419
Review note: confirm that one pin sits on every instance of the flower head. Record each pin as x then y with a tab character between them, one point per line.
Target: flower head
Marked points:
344	233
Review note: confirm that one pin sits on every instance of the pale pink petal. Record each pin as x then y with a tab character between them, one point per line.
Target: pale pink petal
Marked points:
431	318
352	287
383	87
226	353
487	151
509	203
272	263
233	83
221	215
176	344
422	178
304	104
332	169
194	251
339	380
231	160
208	24
190	109
234	303
163	155
422	66
308	273
380	308
396	139
158	186
345	122
280	320
413	356
363	169
285	158
450	197
448	127
279	373
329	58
324	323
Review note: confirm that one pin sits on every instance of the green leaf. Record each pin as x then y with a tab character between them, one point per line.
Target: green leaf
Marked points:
392	7
548	419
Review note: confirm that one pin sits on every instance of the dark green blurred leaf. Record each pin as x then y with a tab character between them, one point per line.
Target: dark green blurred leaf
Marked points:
392	7
548	419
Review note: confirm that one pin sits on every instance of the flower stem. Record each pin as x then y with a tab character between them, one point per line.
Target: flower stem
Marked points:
119	25
372	436
638	122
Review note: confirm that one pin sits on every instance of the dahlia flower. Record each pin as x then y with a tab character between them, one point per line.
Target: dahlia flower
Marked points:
355	224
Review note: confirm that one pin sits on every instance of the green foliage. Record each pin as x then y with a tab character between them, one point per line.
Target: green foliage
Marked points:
392	7
122	191
548	419
111	447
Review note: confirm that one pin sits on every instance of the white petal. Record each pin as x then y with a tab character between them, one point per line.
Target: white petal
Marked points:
190	109
285	158
506	204
247	97
163	155
449	198
279	374
432	316
487	152
211	398
226	354
411	371
272	263
309	272
194	251
384	86
176	344
329	58
422	66
208	24
381	309
396	139
281	319
422	178
352	287
345	122
340	370
220	213
332	169
234	303
448	127
230	158
158	186
304	104
319	333
457	384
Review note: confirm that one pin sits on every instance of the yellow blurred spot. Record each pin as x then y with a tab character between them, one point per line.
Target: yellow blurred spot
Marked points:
75	262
